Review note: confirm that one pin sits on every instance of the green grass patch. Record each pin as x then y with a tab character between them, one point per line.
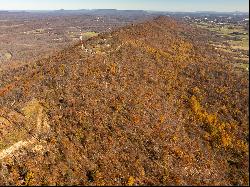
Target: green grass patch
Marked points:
244	44
243	66
88	35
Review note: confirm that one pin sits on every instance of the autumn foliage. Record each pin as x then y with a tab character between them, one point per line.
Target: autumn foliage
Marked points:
153	104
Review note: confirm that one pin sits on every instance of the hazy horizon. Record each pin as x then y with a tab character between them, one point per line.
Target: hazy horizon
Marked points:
50	10
148	5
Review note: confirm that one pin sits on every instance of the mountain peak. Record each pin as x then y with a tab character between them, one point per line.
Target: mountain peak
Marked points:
150	103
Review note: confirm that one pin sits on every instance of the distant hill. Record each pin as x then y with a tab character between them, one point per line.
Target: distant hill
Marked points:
104	12
148	104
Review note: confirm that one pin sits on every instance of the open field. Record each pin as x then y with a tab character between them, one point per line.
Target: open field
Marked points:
35	35
239	41
234	39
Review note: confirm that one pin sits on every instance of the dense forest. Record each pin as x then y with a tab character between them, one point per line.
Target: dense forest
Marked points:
148	104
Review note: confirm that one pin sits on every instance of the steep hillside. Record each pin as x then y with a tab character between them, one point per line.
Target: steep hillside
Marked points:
148	104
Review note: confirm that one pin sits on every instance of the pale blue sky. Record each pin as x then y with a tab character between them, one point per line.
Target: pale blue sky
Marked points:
167	5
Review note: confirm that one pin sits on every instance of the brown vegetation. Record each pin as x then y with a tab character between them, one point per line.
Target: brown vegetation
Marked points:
153	104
